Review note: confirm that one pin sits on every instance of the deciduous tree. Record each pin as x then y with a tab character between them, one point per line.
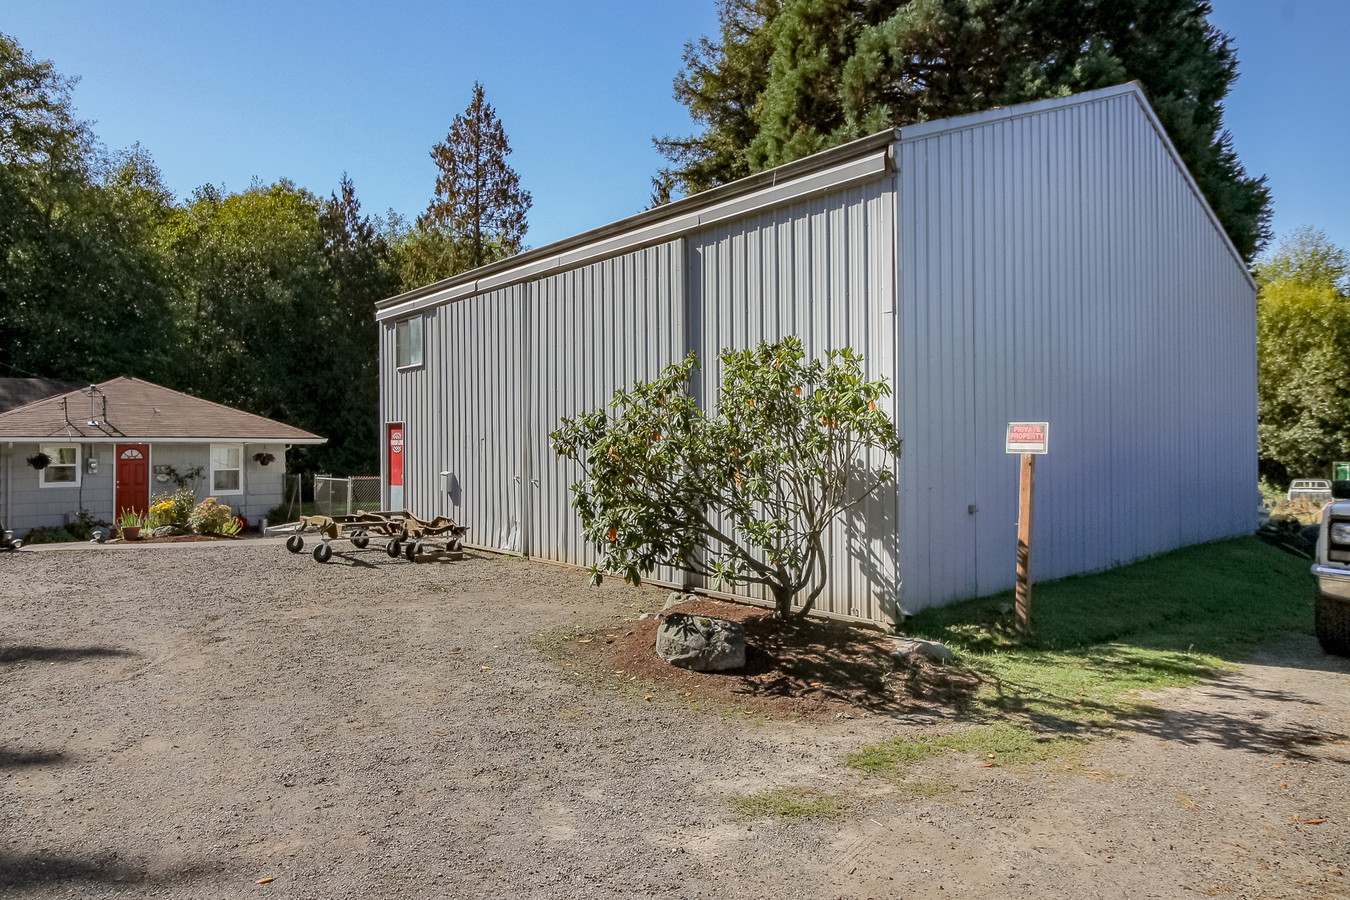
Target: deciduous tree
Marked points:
743	493
1303	370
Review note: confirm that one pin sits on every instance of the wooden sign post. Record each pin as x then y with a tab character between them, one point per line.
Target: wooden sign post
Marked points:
1030	439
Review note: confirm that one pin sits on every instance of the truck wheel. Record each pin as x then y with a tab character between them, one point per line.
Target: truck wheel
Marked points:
295	543
1333	624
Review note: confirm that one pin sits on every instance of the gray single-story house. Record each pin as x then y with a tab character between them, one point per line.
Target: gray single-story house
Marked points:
109	447
1047	262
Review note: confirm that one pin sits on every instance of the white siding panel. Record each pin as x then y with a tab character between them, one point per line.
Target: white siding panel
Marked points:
1059	267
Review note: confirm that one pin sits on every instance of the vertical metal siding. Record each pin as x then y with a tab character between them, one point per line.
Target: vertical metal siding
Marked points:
591	331
461	414
1058	267
823	270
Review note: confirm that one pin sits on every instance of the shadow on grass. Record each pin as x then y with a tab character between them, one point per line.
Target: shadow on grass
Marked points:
19	871
1102	646
22	654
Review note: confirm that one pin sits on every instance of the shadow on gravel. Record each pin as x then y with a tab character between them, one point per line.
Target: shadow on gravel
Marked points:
18	872
13	759
58	654
1194	727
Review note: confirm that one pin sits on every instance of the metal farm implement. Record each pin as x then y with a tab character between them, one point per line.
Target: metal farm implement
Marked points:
402	534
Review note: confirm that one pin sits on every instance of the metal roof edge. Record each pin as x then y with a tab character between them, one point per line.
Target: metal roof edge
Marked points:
1157	124
1035	107
1016	111
797	170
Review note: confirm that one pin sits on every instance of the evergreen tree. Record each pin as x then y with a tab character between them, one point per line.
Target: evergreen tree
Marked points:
791	77
479	201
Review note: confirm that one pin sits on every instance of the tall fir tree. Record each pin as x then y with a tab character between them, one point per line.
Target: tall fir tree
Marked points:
791	77
478	201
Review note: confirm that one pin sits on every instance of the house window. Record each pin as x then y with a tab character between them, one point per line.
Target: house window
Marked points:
227	469
64	469
408	343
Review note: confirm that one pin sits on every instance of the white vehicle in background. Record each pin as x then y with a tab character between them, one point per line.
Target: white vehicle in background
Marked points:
1332	568
1316	489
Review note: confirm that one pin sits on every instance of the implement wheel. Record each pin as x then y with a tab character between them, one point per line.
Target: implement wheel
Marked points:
415	549
392	549
295	543
359	540
323	553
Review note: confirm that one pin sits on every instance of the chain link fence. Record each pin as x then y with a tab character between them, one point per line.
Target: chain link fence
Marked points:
345	496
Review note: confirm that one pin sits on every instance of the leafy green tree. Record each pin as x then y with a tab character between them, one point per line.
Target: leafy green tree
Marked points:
479	201
742	494
361	271
83	292
792	77
254	290
1303	367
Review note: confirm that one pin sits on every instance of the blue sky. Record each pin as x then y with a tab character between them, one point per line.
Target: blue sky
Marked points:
225	92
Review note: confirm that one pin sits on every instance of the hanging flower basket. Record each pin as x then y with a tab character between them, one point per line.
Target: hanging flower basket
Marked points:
39	460
263	459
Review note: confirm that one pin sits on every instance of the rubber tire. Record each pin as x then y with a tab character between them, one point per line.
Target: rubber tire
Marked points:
16	545
1333	624
295	543
414	550
323	553
392	549
360	541
455	546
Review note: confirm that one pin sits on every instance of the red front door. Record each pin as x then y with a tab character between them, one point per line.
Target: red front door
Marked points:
133	479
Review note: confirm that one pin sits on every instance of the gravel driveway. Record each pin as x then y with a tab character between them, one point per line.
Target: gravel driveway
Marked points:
182	721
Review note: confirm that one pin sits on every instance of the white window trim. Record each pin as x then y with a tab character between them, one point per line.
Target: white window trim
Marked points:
211	474
50	450
420	343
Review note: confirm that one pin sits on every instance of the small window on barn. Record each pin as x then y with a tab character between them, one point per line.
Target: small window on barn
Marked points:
64	468
408	343
227	469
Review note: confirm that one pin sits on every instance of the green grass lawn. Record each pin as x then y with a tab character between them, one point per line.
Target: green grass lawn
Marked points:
1101	644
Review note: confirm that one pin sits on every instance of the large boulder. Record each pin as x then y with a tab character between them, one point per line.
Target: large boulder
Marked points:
908	648
701	643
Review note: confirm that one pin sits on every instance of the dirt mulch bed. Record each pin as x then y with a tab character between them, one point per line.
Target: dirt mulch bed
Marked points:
808	670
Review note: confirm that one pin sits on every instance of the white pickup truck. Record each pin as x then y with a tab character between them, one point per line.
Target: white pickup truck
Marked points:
1332	569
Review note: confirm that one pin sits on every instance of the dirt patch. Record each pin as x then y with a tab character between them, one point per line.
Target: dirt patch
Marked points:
795	670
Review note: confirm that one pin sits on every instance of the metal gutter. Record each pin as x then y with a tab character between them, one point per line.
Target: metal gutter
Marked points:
860	160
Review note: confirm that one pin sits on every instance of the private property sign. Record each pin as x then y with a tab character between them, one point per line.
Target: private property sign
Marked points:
1028	437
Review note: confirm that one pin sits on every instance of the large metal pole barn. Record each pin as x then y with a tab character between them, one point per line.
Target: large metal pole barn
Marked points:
1052	261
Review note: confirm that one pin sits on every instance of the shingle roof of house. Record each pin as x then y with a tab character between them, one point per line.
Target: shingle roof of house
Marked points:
16	392
139	410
